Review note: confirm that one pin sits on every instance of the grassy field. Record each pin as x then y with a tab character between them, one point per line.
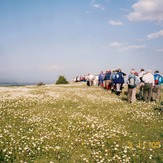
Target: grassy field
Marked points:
75	123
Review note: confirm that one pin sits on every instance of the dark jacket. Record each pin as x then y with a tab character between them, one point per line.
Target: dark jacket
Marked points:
107	76
119	78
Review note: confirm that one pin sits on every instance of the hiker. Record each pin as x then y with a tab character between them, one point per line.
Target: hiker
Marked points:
119	80
123	74
140	94
96	79
87	80
107	80
148	80
101	79
156	94
90	78
132	82
112	76
137	78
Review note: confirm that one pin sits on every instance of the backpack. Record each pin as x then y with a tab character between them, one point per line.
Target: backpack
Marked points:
132	82
119	78
157	80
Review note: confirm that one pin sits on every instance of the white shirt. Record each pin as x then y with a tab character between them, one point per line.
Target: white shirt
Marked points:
148	78
91	77
141	74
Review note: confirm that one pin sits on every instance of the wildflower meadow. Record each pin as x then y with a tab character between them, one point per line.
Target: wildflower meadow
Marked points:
74	123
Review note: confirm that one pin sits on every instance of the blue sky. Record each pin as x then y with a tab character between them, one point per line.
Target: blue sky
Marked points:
42	39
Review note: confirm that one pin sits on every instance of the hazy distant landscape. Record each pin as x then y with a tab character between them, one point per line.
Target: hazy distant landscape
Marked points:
15	84
75	123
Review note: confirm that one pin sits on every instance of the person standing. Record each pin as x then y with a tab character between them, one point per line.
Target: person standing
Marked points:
107	80
87	80
148	80
140	95
101	79
112	77
119	80
158	79
123	75
96	79
90	78
131	87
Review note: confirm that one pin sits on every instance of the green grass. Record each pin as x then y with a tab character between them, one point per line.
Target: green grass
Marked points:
76	123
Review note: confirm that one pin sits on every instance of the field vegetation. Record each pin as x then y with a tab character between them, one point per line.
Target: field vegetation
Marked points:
75	123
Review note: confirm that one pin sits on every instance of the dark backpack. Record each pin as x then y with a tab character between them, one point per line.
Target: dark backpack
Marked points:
132	82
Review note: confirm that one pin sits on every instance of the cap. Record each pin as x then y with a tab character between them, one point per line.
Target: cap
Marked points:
136	73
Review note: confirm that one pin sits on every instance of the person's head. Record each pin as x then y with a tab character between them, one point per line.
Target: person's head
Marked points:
136	73
132	71
142	69
156	71
113	70
149	71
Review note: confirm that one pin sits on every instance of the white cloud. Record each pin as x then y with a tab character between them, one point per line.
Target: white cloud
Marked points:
159	50
134	47
115	44
97	5
147	10
155	35
116	23
125	47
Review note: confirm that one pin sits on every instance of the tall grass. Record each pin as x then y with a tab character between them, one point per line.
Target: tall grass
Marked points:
76	123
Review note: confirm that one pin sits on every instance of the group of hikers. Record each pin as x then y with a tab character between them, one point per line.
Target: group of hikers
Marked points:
142	86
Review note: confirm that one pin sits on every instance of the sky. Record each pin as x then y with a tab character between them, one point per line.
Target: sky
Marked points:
43	39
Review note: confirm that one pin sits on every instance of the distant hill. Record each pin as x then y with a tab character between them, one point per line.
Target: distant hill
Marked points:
15	84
